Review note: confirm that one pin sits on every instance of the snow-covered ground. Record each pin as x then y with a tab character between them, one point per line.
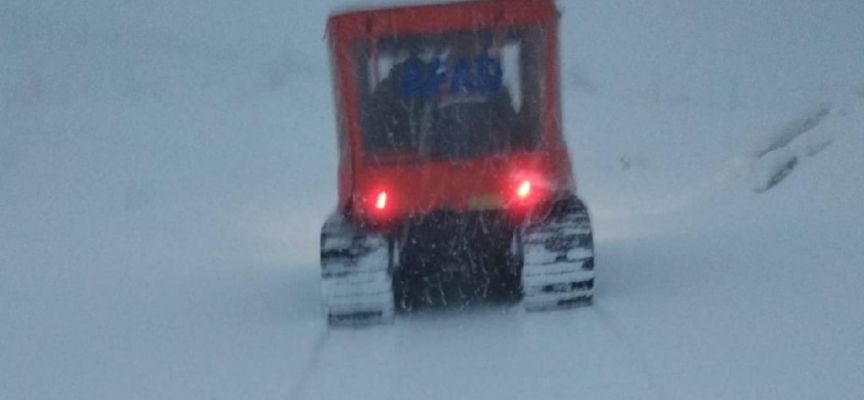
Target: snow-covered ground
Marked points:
165	168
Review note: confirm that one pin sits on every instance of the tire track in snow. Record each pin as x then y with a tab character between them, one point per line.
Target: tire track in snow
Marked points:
609	322
381	362
311	365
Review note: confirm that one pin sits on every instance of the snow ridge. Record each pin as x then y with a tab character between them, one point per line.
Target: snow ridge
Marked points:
775	152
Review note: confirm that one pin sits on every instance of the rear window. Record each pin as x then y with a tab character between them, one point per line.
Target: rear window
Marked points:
451	95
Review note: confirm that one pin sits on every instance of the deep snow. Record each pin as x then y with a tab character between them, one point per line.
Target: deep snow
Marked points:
165	169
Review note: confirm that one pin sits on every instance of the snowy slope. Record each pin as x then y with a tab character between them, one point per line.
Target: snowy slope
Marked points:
165	168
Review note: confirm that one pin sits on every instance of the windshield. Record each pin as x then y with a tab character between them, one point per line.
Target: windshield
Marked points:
450	95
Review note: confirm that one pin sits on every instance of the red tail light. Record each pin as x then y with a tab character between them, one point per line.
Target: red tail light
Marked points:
381	201
524	190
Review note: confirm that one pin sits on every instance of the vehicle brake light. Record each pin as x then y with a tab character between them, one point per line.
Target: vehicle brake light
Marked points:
381	201
524	189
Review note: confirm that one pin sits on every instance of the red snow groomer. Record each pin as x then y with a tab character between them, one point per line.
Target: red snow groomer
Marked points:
455	183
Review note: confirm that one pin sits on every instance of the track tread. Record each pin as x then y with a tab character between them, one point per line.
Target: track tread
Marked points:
356	281
558	260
